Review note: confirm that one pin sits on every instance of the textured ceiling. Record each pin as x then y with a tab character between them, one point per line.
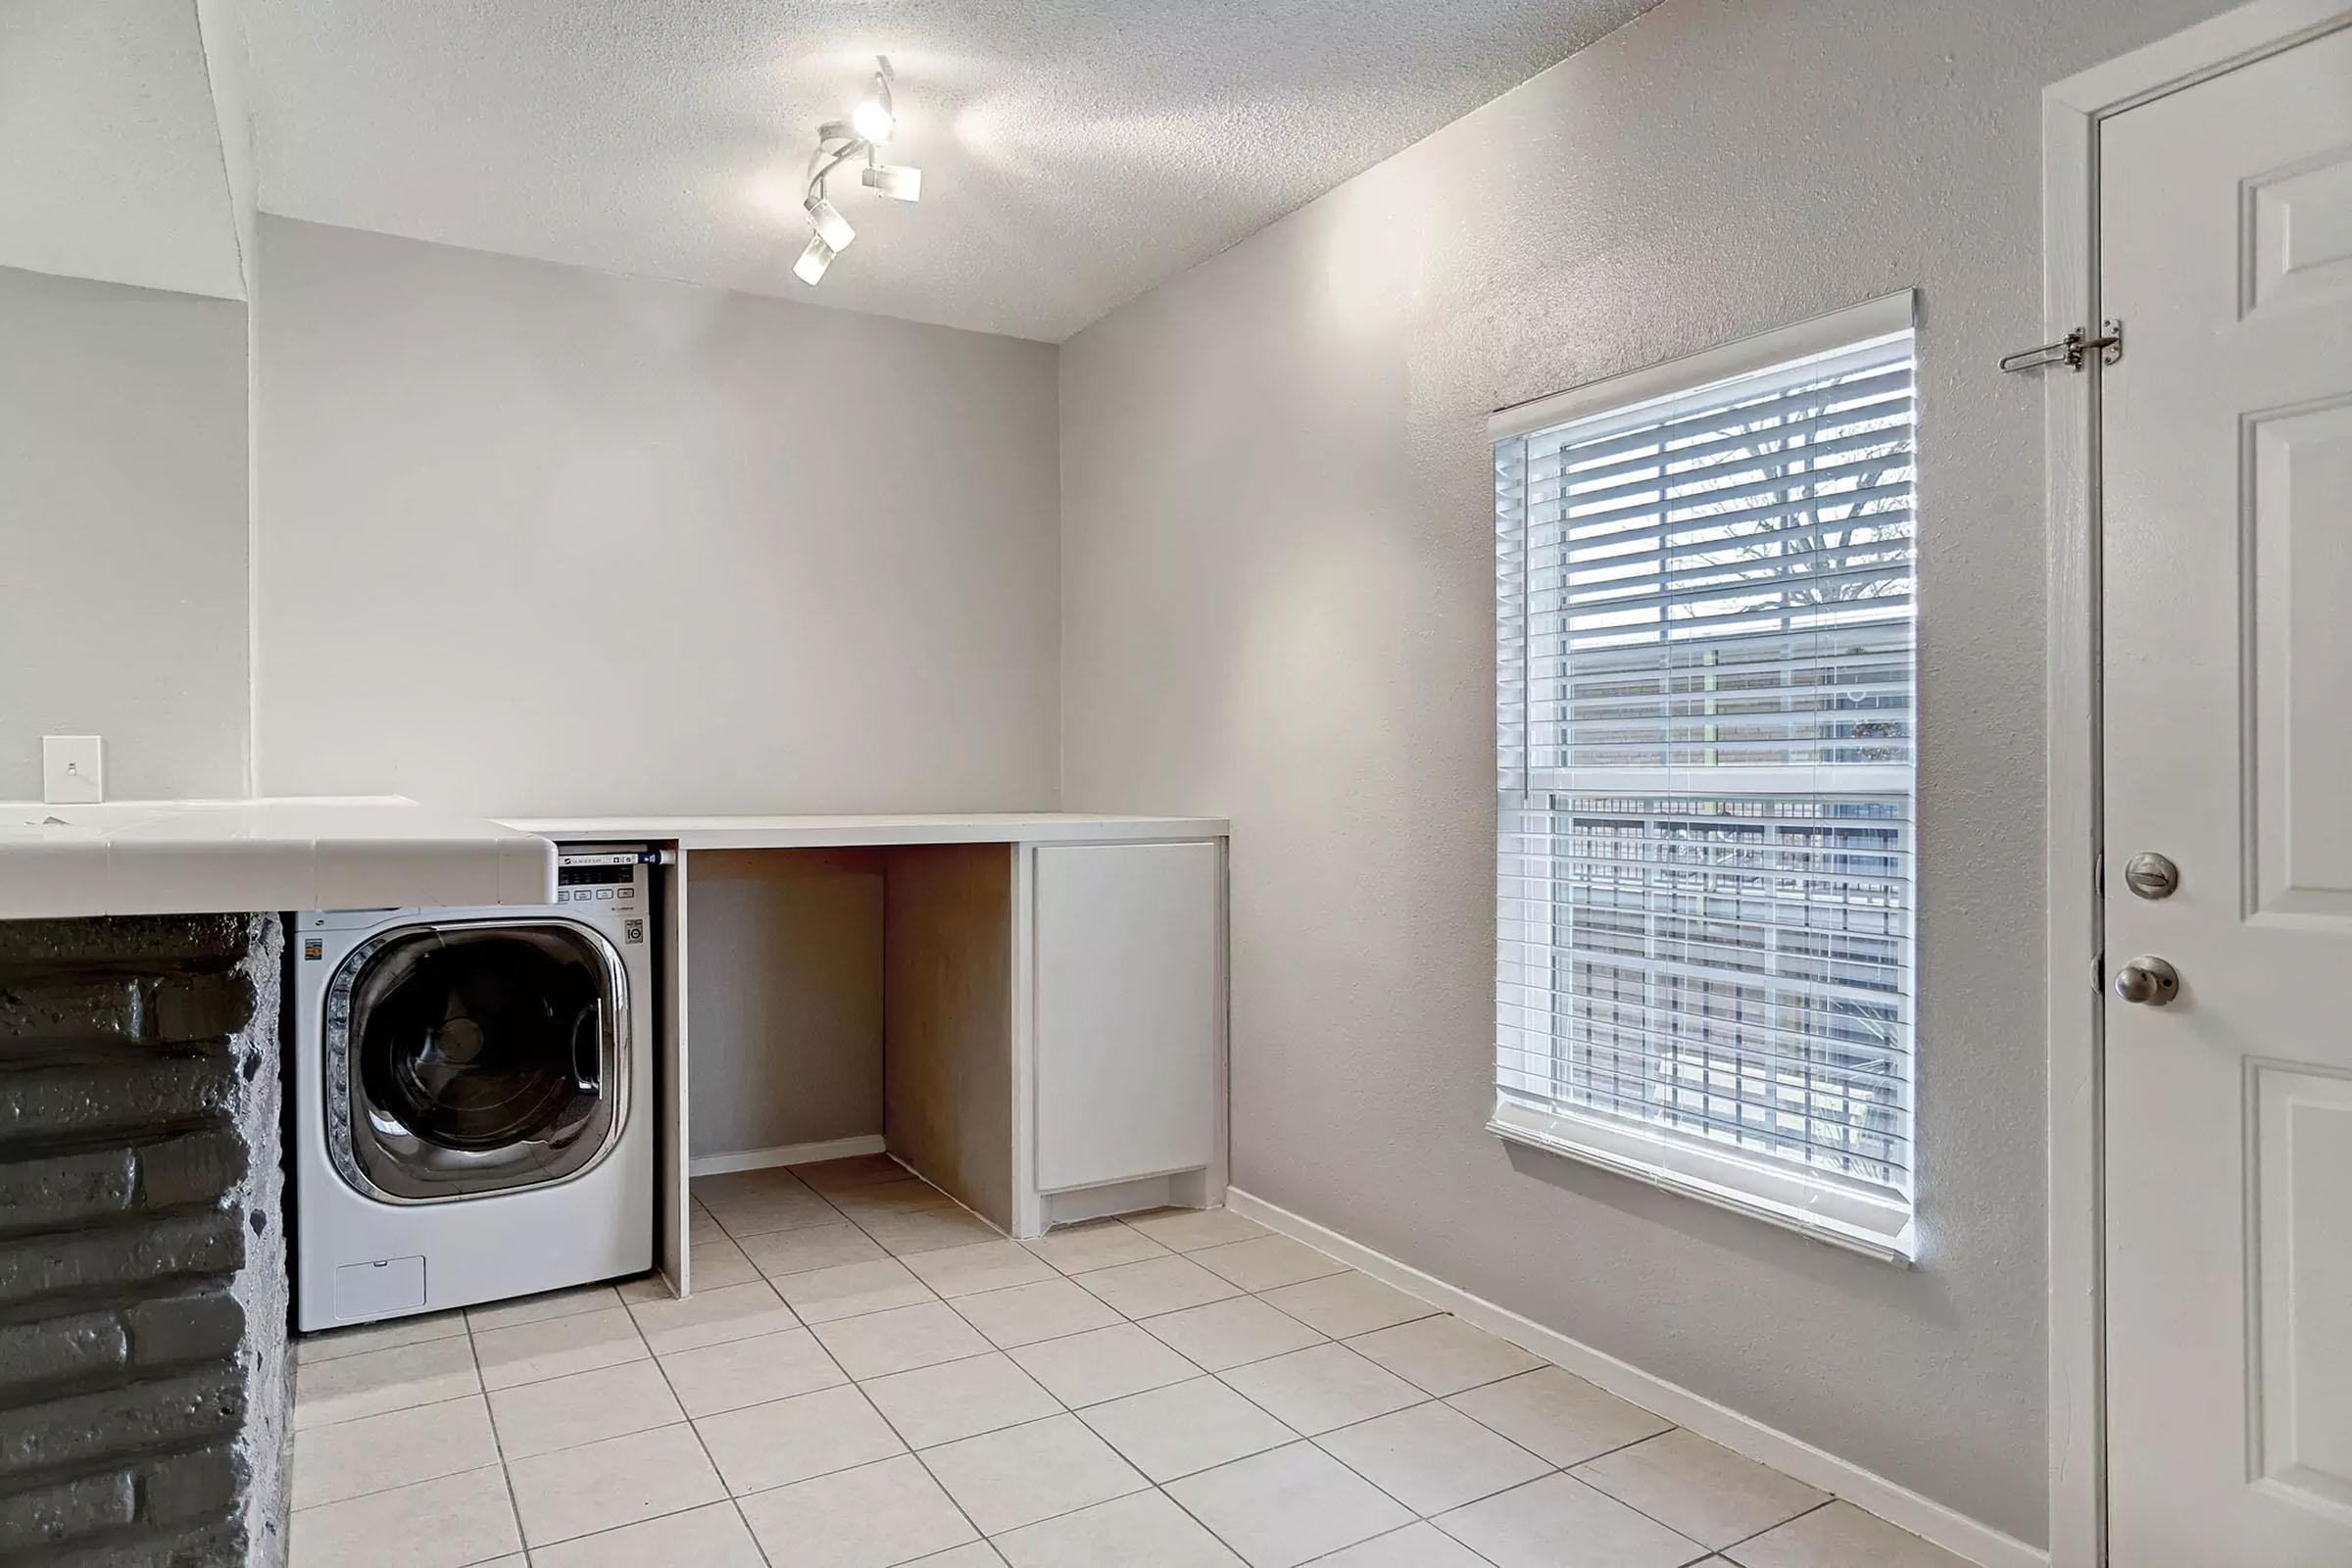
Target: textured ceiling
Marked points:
1074	153
109	155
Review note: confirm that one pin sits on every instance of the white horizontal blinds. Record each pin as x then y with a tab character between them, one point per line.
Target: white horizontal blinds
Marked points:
1705	612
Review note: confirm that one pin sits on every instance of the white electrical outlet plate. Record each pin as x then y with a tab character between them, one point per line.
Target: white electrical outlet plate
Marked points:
73	770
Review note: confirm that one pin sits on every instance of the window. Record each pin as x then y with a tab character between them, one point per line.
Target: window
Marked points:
1704	725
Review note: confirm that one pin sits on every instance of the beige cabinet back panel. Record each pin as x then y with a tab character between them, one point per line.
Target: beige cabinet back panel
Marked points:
786	992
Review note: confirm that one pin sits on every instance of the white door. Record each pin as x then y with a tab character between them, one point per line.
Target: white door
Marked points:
2226	245
1127	1008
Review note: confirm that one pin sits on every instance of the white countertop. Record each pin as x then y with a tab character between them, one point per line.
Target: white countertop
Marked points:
209	856
382	852
840	832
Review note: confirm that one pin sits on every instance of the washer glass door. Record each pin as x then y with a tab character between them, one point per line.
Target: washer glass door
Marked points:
475	1058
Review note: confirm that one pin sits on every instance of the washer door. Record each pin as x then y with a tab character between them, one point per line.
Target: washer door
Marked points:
471	1058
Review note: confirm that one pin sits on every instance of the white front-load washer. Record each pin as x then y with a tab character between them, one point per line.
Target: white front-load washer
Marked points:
473	1096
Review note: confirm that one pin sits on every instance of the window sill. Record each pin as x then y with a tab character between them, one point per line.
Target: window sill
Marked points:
1894	1241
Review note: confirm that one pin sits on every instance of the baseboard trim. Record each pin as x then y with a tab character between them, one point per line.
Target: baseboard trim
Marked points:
786	1155
1897	1504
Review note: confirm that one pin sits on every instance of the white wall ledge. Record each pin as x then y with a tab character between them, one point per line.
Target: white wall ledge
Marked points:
842	832
209	856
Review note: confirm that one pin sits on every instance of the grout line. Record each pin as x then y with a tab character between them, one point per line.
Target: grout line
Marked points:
684	1420
1209	1529
1198	1371
1549	1469
1570	1472
397	1409
737	1499
1149	1485
1063	1407
1126	1319
1418	1521
727	1491
913	1454
506	1476
1507	1437
1464	1544
1792	1519
397	1485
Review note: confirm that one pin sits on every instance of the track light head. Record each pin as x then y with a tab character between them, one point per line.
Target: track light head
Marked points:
872	121
875	119
813	260
896	181
831	228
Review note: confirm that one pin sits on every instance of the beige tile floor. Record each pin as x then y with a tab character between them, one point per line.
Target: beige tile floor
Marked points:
869	1375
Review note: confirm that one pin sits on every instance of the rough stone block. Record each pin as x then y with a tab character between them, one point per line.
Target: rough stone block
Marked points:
206	1326
192	1168
52	1349
42	1192
119	1255
153	942
203	1007
207	1545
188	1487
48	1514
133	1093
71	1007
126	1420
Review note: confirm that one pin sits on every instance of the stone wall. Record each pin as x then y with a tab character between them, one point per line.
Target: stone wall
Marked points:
144	1395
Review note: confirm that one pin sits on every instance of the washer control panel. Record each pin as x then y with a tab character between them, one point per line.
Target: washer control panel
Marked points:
614	878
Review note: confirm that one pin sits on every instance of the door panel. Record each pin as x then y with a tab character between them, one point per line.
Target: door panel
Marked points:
2226	230
2302	1387
2298	240
2300	648
1127	1010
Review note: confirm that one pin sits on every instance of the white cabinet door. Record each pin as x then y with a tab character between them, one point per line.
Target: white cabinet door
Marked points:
1128	1009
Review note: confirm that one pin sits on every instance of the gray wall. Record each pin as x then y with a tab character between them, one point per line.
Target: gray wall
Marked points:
122	534
1278	573
534	539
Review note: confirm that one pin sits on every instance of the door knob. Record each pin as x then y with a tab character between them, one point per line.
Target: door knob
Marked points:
2148	980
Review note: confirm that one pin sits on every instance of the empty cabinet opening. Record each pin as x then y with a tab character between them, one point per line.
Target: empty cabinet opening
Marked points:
843	994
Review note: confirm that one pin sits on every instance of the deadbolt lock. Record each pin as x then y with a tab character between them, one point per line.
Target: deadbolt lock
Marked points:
2151	875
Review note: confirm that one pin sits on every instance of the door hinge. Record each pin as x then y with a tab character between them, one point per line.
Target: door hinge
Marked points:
2072	350
2098	974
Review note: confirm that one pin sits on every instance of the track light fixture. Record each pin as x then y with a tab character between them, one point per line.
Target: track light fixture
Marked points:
872	122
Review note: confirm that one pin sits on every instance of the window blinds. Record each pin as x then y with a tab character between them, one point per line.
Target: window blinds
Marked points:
1705	719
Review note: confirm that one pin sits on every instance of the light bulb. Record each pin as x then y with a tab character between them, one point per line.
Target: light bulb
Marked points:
896	181
873	121
815	260
833	229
